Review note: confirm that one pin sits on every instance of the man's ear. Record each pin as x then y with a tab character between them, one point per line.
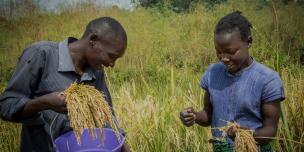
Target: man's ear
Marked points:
93	38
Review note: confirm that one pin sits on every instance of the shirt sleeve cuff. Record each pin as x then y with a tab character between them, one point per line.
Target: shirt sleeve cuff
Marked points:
18	109
277	97
30	121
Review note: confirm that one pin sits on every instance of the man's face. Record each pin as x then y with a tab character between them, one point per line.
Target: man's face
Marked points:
105	52
232	50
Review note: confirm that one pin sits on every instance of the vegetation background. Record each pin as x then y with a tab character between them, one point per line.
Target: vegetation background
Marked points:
170	44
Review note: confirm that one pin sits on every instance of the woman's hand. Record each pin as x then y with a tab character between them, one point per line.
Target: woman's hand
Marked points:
233	129
125	148
188	116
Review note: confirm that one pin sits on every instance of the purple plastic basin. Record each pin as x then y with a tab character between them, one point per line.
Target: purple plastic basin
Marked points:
68	143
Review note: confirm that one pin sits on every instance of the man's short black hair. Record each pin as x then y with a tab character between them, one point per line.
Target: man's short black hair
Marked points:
105	27
234	21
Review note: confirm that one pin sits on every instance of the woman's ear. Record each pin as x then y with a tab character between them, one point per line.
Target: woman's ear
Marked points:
249	41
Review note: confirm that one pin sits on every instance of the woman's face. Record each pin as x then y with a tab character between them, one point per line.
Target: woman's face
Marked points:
232	50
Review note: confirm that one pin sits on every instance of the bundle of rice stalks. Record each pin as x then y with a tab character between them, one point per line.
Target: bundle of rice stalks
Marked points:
243	140
87	108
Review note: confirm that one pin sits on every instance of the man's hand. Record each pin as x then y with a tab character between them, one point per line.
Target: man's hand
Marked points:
188	116
55	101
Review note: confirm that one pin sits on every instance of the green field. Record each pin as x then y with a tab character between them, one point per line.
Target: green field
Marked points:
166	56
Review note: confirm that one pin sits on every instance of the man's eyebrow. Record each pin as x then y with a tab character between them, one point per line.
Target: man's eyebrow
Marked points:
115	54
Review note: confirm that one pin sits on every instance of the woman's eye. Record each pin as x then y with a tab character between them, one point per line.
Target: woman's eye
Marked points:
232	52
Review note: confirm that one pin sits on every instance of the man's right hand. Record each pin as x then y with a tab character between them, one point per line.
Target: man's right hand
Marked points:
188	116
55	101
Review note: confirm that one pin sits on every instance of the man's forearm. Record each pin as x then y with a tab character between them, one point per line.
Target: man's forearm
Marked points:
33	106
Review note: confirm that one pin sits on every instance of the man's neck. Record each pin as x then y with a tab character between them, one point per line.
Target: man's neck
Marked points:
77	54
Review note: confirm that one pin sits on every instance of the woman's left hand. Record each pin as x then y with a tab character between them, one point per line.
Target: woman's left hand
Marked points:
232	130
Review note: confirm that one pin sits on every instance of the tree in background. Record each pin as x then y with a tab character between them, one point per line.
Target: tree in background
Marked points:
185	5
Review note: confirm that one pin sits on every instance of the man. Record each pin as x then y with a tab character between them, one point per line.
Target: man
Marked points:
34	95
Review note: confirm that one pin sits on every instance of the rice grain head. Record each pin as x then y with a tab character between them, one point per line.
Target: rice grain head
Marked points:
244	140
87	108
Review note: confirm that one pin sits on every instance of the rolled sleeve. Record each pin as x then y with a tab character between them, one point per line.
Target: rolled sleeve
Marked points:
22	85
273	90
10	107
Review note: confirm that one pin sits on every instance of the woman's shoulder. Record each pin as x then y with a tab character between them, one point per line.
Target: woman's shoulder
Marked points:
264	70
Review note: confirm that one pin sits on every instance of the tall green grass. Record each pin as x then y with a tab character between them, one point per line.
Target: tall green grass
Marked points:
160	72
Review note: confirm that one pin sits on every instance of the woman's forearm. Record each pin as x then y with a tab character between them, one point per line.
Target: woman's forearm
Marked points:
202	118
265	134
